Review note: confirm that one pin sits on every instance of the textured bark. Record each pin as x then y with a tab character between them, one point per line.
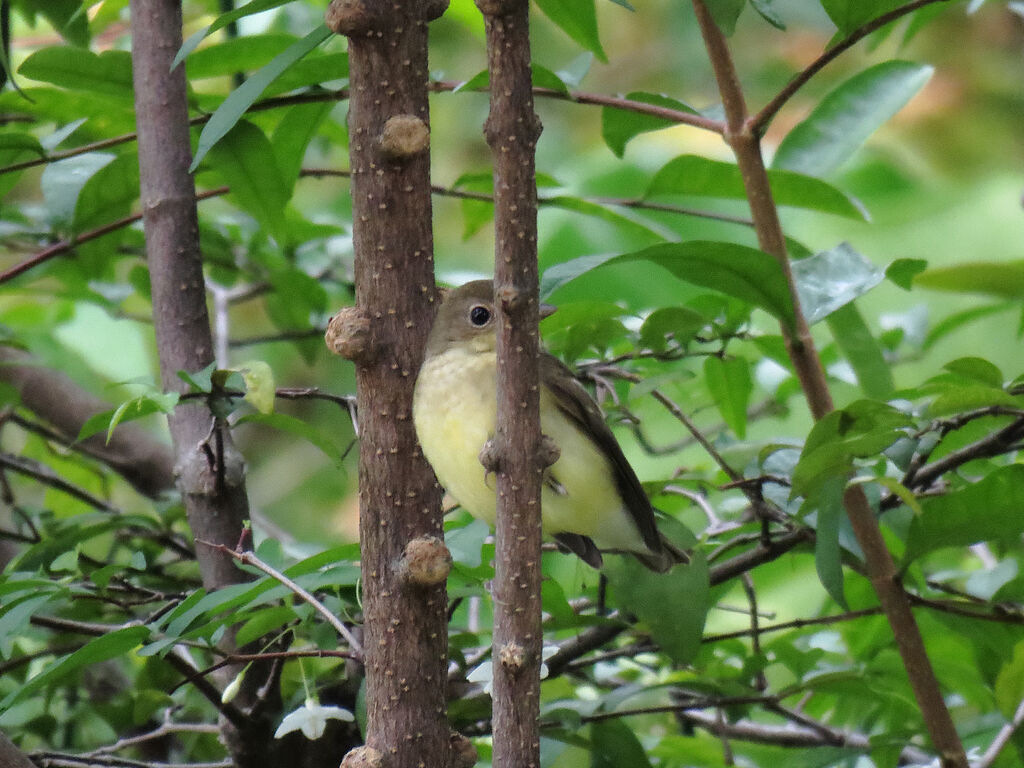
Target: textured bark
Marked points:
404	622
210	471
741	135
512	130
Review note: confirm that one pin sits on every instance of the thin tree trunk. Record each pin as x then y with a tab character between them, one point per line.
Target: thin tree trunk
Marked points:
404	611
512	130
210	470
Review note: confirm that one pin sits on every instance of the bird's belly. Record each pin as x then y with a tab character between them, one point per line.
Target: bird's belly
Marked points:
455	414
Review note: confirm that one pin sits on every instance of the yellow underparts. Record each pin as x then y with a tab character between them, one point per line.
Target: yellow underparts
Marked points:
455	411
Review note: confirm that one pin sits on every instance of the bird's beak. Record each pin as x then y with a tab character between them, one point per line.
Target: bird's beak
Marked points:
547	310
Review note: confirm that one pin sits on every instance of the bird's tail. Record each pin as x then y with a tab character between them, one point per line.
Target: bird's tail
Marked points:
662	560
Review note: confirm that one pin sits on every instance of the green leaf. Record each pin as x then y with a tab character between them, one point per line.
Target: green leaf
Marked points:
848	15
16	617
678	323
578	19
967	397
828	560
847	116
108	73
903	271
297	427
111	645
245	159
694	175
861	351
725	13
1004	279
615	745
766	8
1009	687
21	142
239	54
543	77
977	369
259	385
632	227
832	279
673	605
958	320
255	6
263	622
62	182
988	510
108	195
292	136
239	100
861	430
618	126
730	385
735	270
129	410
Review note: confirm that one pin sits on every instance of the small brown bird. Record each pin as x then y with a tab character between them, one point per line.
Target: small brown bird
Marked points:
591	498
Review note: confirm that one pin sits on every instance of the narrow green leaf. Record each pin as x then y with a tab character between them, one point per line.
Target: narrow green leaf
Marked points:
239	100
848	115
735	270
298	428
861	351
766	8
292	136
63	181
730	385
578	19
245	159
109	646
958	320
967	397
264	621
21	142
239	54
1004	279
673	605
699	176
832	279
108	73
16	617
1009	686
542	77
255	6
847	15
615	745
828	560
618	126
632	227
988	510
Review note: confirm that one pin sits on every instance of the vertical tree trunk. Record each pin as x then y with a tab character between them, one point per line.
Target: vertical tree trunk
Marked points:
210	471
512	130
404	611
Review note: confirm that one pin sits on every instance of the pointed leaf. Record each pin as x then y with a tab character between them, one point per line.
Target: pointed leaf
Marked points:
847	116
861	351
725	13
827	552
108	73
618	126
255	6
730	385
694	175
1004	279
615	745
831	279
236	104
578	19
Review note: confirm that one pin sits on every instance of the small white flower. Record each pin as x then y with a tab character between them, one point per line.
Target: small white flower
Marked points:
311	719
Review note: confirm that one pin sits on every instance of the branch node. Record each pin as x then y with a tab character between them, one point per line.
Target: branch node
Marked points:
496	8
463	753
548	452
348	335
512	656
364	757
426	562
489	457
404	136
352	18
510	297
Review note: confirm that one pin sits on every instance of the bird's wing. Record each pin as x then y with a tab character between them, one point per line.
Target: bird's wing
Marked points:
581	546
577	404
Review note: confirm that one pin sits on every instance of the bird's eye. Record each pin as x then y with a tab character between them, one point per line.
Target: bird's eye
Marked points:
479	316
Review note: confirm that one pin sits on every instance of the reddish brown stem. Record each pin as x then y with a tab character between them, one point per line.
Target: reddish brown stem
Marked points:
512	130
879	564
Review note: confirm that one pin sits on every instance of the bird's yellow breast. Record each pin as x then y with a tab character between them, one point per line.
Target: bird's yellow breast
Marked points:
454	410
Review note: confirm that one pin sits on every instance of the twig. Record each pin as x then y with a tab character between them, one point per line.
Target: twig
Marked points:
249	558
759	121
1002	738
47	476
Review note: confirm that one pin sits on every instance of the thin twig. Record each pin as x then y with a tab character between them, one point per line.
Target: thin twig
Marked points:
1002	738
249	558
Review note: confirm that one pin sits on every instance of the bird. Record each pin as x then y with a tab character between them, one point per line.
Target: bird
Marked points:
591	499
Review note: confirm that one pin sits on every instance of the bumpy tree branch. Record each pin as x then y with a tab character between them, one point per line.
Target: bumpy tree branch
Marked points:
405	623
512	130
741	136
